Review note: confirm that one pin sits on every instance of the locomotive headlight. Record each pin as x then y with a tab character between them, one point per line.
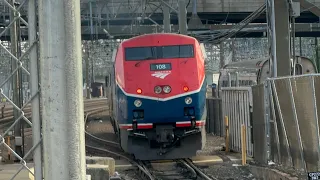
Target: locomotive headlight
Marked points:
188	100
157	89
167	89
137	103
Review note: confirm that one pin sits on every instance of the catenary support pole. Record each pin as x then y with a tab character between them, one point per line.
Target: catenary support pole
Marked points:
15	81
282	40
34	88
182	16
61	89
166	18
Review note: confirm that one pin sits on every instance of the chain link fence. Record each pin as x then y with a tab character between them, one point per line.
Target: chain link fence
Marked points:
19	73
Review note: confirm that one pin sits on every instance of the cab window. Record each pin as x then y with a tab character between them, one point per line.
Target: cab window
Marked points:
139	53
159	52
182	51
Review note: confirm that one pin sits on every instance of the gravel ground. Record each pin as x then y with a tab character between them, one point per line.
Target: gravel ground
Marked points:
213	144
228	171
288	170
225	170
130	174
100	126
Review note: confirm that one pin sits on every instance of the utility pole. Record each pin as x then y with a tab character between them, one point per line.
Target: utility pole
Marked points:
15	81
61	90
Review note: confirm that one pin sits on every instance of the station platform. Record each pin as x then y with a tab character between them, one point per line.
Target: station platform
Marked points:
7	171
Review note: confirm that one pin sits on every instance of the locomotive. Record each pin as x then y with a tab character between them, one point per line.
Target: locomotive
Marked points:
157	96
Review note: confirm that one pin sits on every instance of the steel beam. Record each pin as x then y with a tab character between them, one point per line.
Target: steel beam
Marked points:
61	90
302	30
281	11
207	29
115	30
310	7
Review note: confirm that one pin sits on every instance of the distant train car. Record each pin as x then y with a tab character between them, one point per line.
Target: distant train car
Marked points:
158	95
248	73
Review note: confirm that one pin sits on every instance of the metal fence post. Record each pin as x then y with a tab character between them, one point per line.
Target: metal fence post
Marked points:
61	89
274	120
267	116
34	83
316	116
15	80
295	116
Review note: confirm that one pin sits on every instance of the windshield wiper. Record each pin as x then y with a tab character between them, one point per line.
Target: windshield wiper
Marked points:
147	58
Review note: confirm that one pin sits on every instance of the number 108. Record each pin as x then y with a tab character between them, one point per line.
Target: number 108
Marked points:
161	66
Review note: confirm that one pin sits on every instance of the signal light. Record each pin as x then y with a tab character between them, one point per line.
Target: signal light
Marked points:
139	91
185	88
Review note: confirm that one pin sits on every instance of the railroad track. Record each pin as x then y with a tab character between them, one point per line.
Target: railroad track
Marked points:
113	148
6	110
91	105
182	169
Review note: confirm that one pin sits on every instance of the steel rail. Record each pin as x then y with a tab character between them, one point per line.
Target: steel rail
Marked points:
197	170
133	162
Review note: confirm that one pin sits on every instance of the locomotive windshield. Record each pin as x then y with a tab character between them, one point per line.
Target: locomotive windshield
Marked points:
159	52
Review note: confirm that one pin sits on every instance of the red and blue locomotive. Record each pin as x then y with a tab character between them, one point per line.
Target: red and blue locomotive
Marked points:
158	93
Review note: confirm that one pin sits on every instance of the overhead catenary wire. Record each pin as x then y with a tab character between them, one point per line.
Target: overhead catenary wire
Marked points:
233	31
222	36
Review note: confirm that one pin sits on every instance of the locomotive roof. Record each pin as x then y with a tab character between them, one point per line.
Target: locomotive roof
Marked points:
159	34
